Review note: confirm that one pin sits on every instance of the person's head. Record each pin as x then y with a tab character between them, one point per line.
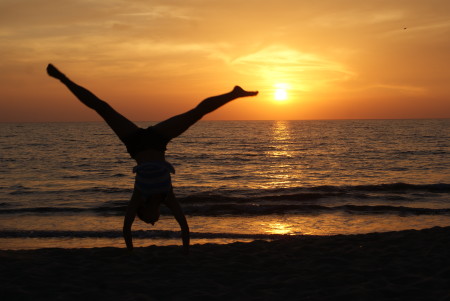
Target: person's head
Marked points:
149	212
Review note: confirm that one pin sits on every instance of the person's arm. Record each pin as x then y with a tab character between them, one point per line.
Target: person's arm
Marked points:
130	215
177	212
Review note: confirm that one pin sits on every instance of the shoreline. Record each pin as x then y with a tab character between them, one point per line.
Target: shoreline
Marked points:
403	265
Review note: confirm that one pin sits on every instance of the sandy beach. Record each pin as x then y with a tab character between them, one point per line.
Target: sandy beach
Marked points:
406	265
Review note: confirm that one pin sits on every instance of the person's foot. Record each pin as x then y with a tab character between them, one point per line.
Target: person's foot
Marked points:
239	92
53	72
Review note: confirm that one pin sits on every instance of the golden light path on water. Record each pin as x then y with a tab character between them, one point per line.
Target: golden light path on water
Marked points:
280	136
324	224
283	146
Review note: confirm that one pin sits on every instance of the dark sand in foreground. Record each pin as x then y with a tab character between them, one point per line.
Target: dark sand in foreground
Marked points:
406	265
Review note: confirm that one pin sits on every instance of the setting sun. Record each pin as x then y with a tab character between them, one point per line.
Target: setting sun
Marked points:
281	92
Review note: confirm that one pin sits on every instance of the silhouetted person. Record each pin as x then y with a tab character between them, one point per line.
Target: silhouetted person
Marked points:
153	184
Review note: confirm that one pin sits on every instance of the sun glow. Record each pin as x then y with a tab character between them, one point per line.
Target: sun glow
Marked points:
281	92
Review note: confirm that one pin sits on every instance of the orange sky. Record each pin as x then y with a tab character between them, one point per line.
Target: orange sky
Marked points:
153	59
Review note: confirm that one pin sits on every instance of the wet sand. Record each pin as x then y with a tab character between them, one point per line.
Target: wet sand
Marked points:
405	265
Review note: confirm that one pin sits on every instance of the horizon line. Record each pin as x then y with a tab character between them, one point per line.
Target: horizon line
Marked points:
213	120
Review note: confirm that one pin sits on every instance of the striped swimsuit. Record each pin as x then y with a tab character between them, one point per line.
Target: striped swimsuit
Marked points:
154	178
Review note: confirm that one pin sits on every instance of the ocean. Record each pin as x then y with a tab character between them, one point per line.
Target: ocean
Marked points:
66	185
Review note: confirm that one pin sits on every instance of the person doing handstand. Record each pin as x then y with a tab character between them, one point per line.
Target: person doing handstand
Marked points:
153	184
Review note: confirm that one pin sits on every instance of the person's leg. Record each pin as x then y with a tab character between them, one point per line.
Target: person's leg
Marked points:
176	125
118	123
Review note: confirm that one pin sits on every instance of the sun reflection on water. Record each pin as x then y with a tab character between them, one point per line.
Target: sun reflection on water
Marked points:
281	136
279	228
280	172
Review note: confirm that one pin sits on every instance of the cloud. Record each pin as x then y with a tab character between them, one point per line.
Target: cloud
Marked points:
355	18
283	64
402	88
160	12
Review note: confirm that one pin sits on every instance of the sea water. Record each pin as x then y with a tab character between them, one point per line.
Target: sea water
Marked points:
67	184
